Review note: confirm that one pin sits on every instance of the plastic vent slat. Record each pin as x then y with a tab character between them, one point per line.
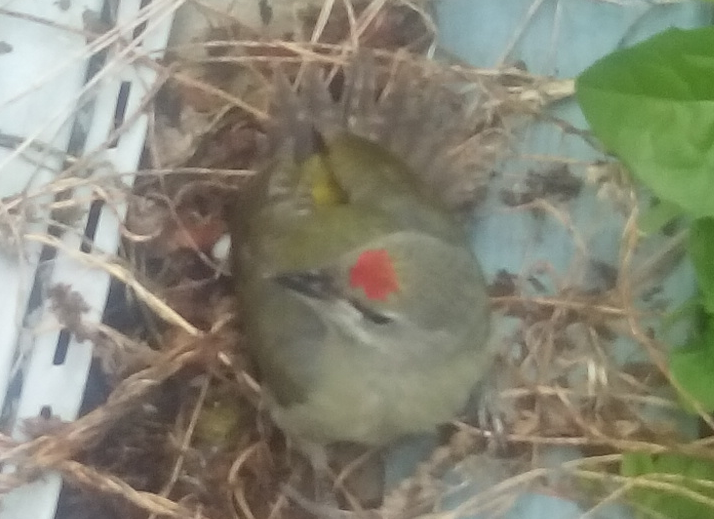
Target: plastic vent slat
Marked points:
57	380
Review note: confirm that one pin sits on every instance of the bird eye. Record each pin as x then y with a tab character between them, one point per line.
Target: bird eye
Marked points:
369	314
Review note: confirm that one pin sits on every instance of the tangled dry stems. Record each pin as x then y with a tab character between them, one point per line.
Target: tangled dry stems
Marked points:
544	409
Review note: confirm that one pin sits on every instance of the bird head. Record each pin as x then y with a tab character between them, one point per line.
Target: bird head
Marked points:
406	288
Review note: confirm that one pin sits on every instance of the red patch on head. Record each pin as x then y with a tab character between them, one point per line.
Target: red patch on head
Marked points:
374	273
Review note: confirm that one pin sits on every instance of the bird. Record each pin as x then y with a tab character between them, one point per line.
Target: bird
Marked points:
365	308
363	305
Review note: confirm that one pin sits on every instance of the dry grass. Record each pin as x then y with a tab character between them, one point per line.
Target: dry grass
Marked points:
182	434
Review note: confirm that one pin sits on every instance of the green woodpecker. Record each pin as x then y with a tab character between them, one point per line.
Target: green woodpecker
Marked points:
365	309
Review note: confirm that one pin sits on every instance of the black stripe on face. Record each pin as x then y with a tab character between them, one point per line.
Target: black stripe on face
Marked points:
369	314
319	284
312	283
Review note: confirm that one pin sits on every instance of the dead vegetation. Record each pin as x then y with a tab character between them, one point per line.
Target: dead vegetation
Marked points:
182	434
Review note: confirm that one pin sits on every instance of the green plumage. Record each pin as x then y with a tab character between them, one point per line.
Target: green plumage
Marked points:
336	363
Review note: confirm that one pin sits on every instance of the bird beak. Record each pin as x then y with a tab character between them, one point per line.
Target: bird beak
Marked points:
316	284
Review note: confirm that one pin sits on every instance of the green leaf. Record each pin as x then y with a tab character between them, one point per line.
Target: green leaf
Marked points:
636	463
657	216
692	367
670	504
653	106
701	250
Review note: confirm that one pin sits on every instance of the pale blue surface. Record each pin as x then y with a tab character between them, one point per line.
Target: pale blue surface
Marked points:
561	39
562	42
539	506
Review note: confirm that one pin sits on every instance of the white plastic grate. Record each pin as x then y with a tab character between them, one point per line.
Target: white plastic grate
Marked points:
44	94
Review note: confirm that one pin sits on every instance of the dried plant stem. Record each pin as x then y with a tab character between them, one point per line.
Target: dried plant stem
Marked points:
185	444
122	274
89	478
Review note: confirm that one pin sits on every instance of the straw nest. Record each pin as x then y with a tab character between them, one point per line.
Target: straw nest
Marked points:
178	430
